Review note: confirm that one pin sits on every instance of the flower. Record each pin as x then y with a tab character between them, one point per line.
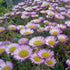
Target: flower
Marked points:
6	66
1	61
30	25
43	12
49	17
41	19
6	43
68	62
28	9
24	17
44	4
33	13
26	32
50	62
53	24
47	28
35	16
46	22
55	31
11	48
1	43
2	49
36	21
3	18
50	13
51	41
36	26
37	41
12	27
41	29
59	16
22	41
23	52
67	23
36	59
63	13
2	29
45	53
61	26
21	4
18	13
25	13
7	14
19	27
62	38
12	13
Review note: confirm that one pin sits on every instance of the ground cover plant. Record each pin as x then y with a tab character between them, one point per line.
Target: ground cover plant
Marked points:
35	35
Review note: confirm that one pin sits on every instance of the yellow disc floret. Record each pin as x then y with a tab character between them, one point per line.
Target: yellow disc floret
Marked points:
6	68
37	59
23	53
51	42
12	49
49	62
2	50
45	54
37	42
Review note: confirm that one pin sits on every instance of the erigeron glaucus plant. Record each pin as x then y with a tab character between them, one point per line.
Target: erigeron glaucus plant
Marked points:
36	35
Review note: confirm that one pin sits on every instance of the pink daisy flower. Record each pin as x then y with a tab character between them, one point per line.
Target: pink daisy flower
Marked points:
6	66
22	41
51	41
50	62
36	59
23	52
37	41
45	53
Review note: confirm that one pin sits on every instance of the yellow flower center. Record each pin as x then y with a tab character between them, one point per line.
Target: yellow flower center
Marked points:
37	21
63	13
27	32
61	27
25	17
45	5
51	42
21	28
2	50
59	17
46	22
37	42
49	62
6	68
7	14
34	15
23	41
12	14
1	30
51	13
37	59
45	54
23	53
47	28
62	39
43	11
30	26
40	30
12	49
55	33
37	9
12	27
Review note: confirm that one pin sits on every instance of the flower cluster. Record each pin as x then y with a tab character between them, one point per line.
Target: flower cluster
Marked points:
39	27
